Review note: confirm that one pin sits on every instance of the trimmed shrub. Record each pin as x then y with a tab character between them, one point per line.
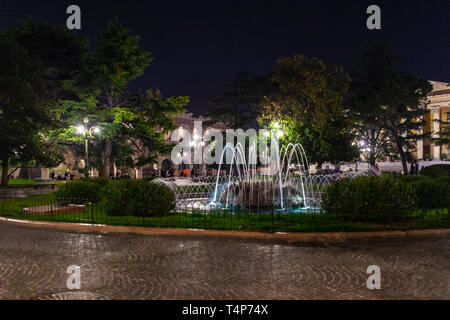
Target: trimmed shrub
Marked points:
436	171
432	193
137	198
414	178
370	199
81	191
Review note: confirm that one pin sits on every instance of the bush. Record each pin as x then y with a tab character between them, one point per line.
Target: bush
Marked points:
370	199
137	198
414	178
432	193
81	191
436	171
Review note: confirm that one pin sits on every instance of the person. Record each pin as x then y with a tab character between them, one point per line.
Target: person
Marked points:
337	169
413	167
52	175
377	168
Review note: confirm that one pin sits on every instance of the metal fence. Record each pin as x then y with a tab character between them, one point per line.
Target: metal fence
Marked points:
48	208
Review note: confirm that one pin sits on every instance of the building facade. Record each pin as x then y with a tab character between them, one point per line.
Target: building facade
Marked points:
184	121
439	109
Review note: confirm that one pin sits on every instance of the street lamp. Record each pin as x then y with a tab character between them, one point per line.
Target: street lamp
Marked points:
87	132
197	143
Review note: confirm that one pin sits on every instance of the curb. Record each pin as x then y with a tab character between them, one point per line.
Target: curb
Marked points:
290	238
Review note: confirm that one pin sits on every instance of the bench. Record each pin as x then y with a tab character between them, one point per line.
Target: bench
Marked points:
43	182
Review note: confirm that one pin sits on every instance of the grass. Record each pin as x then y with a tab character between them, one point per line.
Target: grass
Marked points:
21	182
265	222
18	182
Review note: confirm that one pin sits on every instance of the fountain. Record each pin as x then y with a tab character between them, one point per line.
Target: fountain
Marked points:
285	185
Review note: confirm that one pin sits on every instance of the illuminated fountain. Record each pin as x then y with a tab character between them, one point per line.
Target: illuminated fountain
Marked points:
284	185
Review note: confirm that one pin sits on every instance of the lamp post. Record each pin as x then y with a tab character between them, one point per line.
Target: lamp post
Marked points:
87	132
198	143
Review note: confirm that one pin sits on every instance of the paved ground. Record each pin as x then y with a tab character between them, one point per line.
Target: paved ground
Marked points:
33	264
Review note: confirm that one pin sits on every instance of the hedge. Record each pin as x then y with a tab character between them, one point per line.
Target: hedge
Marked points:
137	198
370	199
436	171
432	193
81	191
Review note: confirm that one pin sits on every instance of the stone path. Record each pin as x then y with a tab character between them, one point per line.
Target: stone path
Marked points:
33	265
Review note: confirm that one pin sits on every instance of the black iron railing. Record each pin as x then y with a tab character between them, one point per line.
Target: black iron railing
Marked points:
48	208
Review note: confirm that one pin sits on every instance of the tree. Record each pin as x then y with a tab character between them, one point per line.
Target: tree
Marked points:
238	106
373	70
308	103
35	59
444	135
402	117
386	105
133	125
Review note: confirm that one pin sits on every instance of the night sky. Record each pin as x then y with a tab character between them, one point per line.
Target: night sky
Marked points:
199	46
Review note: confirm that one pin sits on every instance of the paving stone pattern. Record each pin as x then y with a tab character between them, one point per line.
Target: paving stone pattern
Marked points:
33	264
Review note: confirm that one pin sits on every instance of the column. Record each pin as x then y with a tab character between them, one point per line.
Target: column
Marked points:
420	145
436	149
45	173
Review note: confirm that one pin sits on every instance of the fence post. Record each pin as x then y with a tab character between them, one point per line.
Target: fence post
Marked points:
92	212
273	219
204	220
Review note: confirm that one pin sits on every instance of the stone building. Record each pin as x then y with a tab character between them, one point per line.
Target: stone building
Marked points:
185	121
439	106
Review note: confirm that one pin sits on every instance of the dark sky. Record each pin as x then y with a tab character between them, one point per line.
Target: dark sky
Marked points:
199	46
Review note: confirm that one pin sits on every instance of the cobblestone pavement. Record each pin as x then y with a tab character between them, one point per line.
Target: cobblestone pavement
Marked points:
33	265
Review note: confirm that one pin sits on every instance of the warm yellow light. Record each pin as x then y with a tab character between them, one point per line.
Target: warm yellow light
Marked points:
80	129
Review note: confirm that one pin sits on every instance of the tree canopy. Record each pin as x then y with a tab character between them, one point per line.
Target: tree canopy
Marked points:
239	105
35	60
133	125
386	104
308	103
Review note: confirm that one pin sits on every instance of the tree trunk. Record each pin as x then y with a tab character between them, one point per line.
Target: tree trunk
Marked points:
404	164
372	146
5	169
372	159
403	157
106	161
